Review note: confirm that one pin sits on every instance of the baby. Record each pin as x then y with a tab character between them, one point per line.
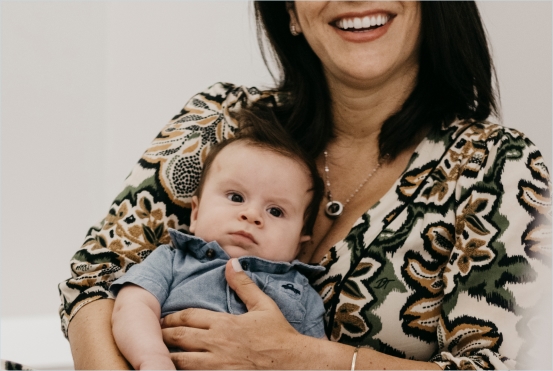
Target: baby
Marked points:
257	201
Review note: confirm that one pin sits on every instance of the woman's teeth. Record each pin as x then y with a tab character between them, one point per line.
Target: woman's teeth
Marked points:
365	22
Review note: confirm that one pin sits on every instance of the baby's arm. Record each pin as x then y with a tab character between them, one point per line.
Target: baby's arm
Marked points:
137	331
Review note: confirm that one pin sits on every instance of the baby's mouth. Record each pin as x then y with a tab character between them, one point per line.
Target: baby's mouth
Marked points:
245	235
361	24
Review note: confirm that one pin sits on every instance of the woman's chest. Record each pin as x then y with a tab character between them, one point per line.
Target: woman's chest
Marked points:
329	230
383	284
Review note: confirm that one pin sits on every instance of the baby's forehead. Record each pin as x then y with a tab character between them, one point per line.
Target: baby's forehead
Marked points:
251	150
247	159
249	145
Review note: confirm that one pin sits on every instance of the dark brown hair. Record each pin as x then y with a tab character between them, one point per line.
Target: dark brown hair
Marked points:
454	80
262	129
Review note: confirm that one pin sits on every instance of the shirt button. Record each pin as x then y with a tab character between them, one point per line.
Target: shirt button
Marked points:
210	253
245	265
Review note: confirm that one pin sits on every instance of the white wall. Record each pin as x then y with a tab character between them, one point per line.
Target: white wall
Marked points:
520	33
87	85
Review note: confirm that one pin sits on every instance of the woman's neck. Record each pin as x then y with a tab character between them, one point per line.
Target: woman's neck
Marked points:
359	111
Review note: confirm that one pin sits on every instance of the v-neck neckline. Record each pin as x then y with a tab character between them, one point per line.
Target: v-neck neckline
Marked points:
429	151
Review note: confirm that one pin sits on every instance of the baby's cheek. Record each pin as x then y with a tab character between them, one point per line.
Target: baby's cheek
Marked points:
205	232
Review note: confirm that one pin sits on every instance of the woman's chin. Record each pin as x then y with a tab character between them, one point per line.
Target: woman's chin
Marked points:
370	73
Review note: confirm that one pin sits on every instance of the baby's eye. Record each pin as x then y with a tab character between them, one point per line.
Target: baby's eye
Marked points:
275	211
235	197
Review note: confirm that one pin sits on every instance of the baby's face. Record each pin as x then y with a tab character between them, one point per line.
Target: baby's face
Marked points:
253	203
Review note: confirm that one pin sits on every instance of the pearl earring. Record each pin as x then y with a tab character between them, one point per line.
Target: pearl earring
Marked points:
293	30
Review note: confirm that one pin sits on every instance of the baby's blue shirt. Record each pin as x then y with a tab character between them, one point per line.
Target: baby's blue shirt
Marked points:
192	275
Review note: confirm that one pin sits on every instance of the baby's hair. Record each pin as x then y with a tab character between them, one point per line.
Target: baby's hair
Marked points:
263	130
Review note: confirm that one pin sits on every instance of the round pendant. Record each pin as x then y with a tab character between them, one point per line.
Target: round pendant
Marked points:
334	209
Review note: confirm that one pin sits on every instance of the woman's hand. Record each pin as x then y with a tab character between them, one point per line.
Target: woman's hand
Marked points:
259	339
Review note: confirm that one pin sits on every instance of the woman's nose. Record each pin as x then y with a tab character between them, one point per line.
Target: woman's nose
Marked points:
251	215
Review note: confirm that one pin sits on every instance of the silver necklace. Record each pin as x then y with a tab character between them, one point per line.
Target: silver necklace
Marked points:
333	208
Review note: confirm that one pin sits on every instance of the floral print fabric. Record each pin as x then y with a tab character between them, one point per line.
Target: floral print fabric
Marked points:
449	266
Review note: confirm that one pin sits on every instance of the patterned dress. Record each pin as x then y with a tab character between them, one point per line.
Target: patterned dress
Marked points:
452	265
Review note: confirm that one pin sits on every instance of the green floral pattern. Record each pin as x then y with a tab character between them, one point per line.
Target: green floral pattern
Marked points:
452	265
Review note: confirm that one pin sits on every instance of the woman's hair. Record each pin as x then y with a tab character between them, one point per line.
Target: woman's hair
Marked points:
454	80
263	130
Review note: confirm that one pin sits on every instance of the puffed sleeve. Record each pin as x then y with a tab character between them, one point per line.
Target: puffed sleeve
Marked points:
154	274
154	197
497	297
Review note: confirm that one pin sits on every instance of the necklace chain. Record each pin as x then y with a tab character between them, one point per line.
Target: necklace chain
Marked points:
335	208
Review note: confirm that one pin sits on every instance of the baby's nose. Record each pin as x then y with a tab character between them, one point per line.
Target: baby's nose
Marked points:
250	215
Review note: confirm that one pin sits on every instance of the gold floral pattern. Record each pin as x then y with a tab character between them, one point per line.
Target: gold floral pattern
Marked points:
466	337
345	320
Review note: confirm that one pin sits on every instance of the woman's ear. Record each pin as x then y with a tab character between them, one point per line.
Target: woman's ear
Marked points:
194	213
295	28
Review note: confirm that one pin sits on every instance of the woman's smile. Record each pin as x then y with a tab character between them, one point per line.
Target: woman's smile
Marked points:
363	27
362	23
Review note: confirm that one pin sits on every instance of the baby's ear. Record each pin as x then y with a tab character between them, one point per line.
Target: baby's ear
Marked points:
194	213
304	238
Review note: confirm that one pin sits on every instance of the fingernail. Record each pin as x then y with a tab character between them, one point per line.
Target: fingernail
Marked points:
236	265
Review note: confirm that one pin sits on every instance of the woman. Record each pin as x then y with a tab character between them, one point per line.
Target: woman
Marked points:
434	230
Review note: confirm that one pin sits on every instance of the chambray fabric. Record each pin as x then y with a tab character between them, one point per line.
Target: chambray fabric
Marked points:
191	274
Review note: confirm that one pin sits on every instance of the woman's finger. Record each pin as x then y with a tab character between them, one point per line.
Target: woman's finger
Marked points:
186	338
192	317
246	289
193	361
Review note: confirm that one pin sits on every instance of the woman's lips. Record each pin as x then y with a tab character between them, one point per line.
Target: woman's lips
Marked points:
353	26
363	35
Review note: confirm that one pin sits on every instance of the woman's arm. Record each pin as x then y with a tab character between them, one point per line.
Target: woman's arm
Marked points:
91	339
261	339
497	280
136	329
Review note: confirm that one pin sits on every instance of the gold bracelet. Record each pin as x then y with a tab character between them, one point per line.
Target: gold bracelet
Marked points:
354	358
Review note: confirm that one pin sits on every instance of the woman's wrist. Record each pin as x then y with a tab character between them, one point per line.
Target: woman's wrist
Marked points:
310	353
319	354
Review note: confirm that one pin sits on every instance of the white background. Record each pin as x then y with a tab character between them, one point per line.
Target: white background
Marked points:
87	85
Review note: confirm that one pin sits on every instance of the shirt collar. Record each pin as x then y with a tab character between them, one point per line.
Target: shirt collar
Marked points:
198	248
